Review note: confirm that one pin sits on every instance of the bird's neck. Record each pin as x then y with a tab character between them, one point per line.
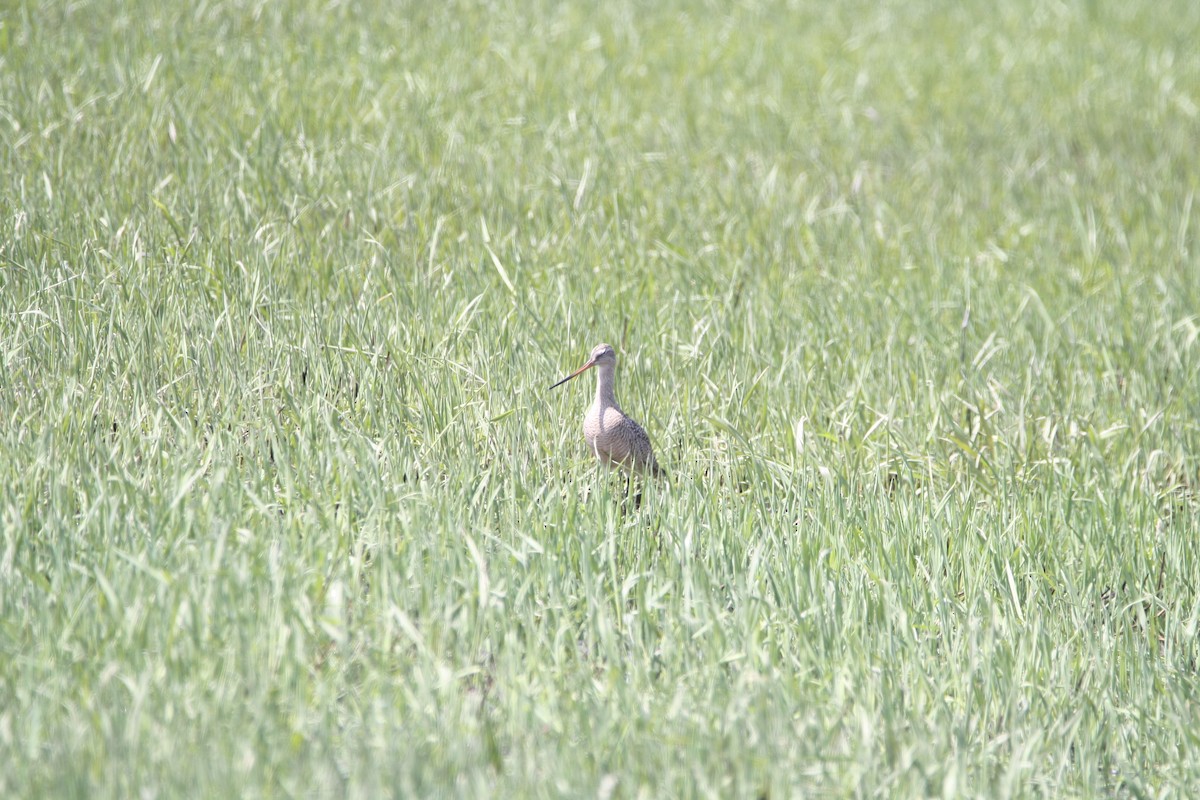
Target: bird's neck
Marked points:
604	387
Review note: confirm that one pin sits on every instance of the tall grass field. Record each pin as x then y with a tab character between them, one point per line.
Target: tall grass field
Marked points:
906	294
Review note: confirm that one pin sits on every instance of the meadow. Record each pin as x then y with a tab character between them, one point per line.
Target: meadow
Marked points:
906	294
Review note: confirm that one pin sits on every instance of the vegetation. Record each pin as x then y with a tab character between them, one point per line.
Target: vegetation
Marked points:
906	294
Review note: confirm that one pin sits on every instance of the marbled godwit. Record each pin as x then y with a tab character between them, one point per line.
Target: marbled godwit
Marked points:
615	438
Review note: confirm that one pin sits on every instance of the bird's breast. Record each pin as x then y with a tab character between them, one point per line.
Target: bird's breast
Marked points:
610	434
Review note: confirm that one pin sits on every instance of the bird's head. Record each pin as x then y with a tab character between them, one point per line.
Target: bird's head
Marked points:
603	355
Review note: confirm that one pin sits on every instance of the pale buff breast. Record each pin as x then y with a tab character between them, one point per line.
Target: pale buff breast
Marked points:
616	439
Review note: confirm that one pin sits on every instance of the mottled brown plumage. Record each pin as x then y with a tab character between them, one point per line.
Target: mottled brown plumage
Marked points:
615	438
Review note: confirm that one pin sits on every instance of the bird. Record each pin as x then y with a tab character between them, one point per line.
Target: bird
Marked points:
610	433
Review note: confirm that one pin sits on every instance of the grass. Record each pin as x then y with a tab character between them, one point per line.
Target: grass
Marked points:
906	295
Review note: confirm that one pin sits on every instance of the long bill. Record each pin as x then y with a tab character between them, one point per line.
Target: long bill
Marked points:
582	369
